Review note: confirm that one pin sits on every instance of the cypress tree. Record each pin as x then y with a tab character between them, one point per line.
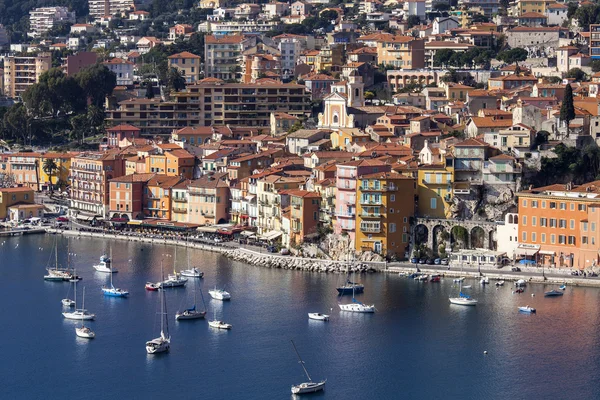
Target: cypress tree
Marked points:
149	90
567	109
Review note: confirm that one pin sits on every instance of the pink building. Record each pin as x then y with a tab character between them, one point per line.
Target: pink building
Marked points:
347	176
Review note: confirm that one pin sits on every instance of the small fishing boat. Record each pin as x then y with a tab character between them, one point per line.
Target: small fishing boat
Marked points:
435	278
219	324
501	283
520	283
563	287
191	313
519	290
68	302
527	310
219	294
458	280
306	387
105	265
422	278
152	286
318	316
349	286
467	287
485	280
192	273
553	293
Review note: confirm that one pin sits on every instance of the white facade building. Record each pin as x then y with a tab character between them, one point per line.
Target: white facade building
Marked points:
41	20
507	235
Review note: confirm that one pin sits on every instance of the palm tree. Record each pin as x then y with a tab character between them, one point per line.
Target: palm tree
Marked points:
50	168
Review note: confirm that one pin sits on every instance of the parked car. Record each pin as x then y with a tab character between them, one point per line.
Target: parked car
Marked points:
444	261
437	261
271	249
516	269
422	261
414	260
284	252
430	261
62	219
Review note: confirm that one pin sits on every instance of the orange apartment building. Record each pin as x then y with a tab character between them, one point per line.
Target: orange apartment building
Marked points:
404	52
559	225
385	203
242	167
178	162
90	177
157	196
208	200
304	215
127	196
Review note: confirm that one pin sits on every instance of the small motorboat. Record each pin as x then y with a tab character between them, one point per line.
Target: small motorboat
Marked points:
519	290
520	283
501	283
105	265
553	293
68	302
219	294
318	316
458	280
485	280
152	286
219	324
114	292
435	278
85	332
192	273
563	287
402	273
527	310
190	313
413	275
467	287
422	278
463	300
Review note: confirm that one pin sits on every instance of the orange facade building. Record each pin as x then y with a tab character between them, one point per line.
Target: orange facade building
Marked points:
559	224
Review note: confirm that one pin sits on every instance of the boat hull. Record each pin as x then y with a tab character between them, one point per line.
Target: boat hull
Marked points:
85	333
158	345
357	308
78	316
460	301
111	293
308	387
105	270
318	316
51	278
192	273
190	315
219	295
68	302
527	310
153	287
173	283
219	325
348	290
553	294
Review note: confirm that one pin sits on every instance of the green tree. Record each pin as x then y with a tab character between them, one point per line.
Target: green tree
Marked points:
17	123
577	74
97	82
595	65
567	109
50	168
586	15
149	90
175	80
442	57
513	56
412	20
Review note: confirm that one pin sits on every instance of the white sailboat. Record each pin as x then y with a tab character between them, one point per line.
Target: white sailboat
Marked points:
218	324
84	331
67	301
306	387
462	299
78	314
219	294
113	291
163	342
357	306
58	274
192	313
191	272
174	279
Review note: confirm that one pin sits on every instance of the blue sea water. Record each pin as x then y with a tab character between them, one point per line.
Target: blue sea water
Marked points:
417	345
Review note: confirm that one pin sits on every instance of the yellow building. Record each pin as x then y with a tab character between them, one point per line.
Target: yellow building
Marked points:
341	138
385	204
536	6
60	176
188	64
14	196
434	190
404	52
157	196
456	91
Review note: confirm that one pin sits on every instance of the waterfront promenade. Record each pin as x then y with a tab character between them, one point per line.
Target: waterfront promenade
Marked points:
261	257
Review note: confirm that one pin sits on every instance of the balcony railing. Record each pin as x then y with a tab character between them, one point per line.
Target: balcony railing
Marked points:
371	215
180	210
371	202
370	229
345	215
179	200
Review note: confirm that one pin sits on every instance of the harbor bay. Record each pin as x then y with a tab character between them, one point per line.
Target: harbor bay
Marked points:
416	345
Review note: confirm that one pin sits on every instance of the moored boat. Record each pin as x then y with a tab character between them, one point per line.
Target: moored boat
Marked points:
563	287
192	273
152	286
435	278
485	280
105	265
219	324
162	343
349	286
553	293
318	316
458	280
527	310
520	283
219	294
306	387
501	283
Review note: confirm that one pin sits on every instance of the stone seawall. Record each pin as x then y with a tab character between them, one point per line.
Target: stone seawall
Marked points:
297	263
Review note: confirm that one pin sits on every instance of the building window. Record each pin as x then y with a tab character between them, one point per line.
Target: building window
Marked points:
543	222
572	224
524	219
552	238
543	236
534	204
404	238
572	206
433	203
562	239
585	226
584	240
524	237
392	228
581	207
552	204
563	206
533	221
562	224
543	203
552	222
393	197
524	203
533	237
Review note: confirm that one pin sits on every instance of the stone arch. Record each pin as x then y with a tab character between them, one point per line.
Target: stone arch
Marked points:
421	235
440	238
459	237
116	215
139	216
478	238
125	216
222	221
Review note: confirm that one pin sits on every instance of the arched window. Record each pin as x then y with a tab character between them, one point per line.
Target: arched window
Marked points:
336	119
510	219
356	92
516	219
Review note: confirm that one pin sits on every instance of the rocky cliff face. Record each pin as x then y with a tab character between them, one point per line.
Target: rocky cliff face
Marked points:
489	202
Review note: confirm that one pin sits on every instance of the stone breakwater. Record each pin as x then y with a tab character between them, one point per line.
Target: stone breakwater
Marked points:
297	263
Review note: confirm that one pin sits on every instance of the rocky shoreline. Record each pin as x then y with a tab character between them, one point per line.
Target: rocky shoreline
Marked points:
296	263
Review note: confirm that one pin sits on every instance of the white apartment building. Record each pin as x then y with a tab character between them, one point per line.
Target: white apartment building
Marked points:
22	72
123	69
290	47
100	8
42	19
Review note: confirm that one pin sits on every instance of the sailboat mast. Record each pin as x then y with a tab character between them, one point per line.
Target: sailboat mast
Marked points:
83	306
56	255
301	362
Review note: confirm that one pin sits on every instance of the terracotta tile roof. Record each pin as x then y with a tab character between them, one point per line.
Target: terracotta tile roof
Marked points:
184	54
489	122
124	127
132	178
227	39
532	15
471	143
115	61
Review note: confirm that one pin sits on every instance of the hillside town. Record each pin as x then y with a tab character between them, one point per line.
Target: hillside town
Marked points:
389	130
